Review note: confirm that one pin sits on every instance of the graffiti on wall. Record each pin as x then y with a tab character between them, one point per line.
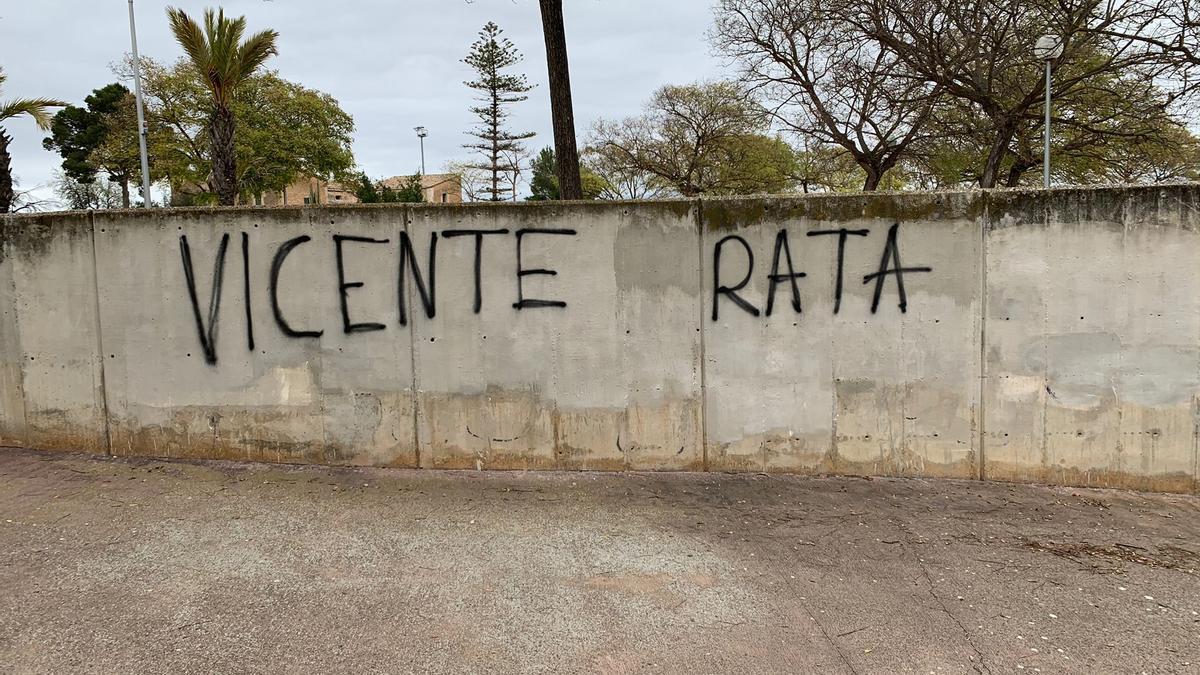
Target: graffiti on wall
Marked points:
782	273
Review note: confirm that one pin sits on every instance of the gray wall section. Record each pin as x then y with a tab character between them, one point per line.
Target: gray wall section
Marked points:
886	392
1056	336
336	398
52	377
1092	324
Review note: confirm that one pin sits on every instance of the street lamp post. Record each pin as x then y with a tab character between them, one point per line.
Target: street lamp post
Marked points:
421	134
141	116
1048	48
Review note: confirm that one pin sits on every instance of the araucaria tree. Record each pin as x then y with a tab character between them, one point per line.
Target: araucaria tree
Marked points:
225	61
490	55
36	108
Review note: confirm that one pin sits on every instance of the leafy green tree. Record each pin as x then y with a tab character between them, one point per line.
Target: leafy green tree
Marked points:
822	167
365	189
611	176
1116	130
543	184
410	190
286	132
224	62
38	110
75	132
390	191
982	54
102	137
489	56
707	138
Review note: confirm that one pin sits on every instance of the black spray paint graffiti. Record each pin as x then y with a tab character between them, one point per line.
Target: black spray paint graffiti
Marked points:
782	273
409	268
889	265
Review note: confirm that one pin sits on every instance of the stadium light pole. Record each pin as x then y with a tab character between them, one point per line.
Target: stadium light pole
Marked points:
141	116
421	134
1047	48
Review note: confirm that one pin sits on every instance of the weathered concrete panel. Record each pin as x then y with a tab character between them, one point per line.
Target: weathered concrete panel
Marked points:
50	373
611	380
1093	319
336	397
852	384
1040	336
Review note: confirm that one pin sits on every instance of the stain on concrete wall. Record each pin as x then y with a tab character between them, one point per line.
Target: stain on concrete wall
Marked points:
1023	335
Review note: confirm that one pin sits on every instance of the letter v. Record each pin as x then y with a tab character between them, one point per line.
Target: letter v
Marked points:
208	336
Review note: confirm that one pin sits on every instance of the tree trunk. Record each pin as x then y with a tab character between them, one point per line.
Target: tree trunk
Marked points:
224	161
561	111
1017	171
874	176
125	192
6	186
991	168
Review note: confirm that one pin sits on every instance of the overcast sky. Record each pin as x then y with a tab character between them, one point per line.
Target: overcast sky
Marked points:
392	64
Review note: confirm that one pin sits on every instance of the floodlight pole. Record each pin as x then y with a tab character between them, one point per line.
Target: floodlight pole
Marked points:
421	134
141	116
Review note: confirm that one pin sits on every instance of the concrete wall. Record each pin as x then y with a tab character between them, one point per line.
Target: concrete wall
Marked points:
1048	336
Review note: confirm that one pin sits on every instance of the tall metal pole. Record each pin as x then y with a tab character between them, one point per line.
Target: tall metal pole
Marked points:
1046	158
422	132
141	116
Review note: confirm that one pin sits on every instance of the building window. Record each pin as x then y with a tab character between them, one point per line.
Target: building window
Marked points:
445	197
308	200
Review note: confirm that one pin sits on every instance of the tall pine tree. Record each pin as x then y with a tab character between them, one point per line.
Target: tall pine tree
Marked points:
489	55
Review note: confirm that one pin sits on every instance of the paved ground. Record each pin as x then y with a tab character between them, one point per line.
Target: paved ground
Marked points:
148	566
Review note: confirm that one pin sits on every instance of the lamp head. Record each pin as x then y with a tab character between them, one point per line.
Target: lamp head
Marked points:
1048	48
421	131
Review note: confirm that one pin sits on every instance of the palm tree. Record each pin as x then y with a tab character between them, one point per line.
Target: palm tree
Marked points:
35	108
224	62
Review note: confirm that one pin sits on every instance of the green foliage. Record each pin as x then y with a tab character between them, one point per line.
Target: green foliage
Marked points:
489	56
1116	129
365	189
543	185
706	138
218	52
225	64
410	191
76	132
286	131
407	190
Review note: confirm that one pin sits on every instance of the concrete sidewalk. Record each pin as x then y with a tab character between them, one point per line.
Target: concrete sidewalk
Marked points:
148	566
